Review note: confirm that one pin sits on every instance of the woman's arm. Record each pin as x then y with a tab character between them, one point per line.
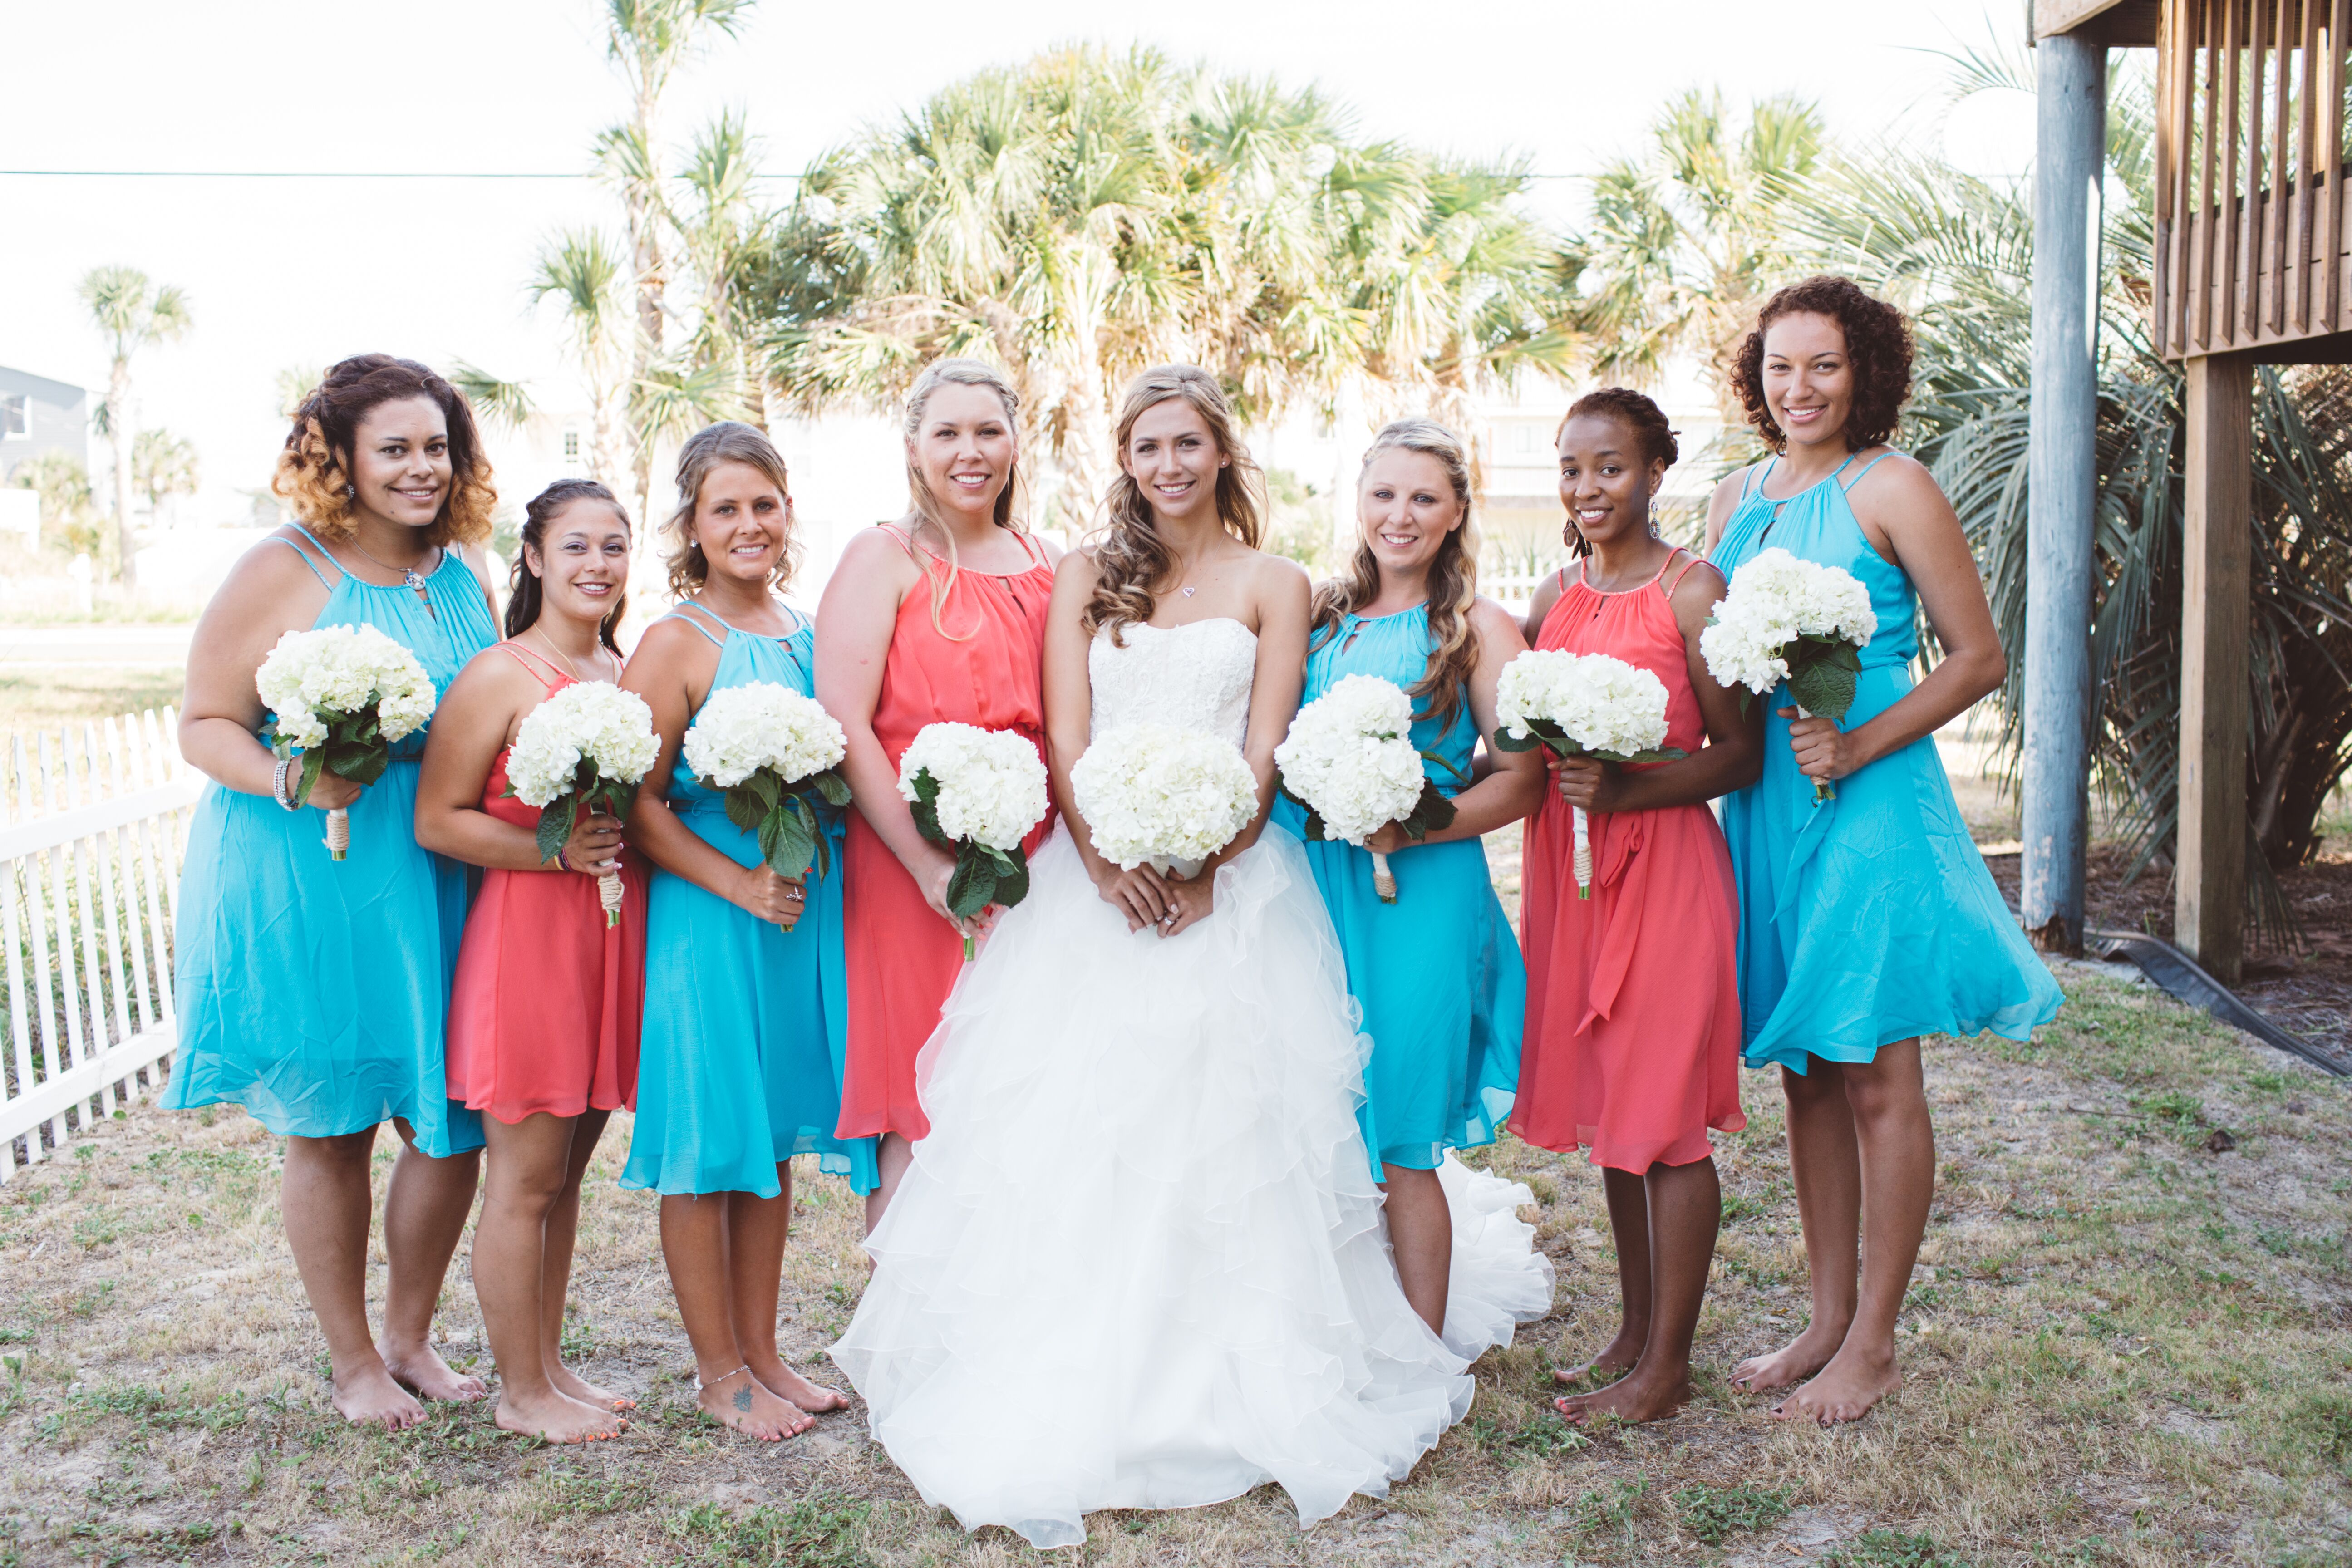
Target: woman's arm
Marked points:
1723	502
1548	594
1909	522
268	593
1513	785
1142	894
672	670
1733	755
475	722
854	623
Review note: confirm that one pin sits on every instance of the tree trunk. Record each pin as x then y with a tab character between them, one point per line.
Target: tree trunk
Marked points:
118	398
1351	433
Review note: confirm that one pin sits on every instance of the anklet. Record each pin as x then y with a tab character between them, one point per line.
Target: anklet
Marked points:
699	1386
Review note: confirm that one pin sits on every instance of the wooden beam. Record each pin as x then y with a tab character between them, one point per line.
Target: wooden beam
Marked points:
2209	862
2119	24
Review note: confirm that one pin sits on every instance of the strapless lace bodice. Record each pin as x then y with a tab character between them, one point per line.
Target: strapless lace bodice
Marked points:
1194	677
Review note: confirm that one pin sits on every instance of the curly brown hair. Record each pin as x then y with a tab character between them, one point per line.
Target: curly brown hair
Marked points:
1877	344
312	474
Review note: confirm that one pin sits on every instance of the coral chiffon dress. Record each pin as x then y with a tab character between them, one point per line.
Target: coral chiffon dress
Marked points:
987	670
1632	1049
543	1014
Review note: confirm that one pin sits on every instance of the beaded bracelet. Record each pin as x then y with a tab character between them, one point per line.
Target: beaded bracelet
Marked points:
277	785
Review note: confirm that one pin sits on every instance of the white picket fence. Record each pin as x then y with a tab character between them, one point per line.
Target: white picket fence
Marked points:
92	824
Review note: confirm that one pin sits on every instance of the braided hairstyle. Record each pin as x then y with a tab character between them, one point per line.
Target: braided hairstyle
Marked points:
526	593
1638	413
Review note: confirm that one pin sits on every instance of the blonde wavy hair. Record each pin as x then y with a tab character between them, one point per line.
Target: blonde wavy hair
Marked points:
729	441
1132	562
313	474
926	505
1453	577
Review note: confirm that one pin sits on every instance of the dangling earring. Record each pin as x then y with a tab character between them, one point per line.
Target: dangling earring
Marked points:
349	492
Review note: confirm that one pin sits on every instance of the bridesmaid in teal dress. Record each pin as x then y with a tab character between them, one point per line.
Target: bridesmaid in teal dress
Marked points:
1869	920
1437	973
745	1028
313	992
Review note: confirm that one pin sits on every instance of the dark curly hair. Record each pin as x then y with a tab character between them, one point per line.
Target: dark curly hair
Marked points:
1877	344
1638	413
526	595
311	475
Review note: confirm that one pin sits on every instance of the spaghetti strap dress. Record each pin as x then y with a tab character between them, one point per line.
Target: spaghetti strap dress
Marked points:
315	992
1437	974
543	1016
987	670
1632	1035
1868	918
745	1023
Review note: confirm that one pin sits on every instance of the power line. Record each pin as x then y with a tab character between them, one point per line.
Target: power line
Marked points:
381	174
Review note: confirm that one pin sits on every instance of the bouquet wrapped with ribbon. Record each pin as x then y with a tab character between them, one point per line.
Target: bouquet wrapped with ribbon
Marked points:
772	754
1786	618
1582	705
1350	762
1159	795
340	697
978	792
584	749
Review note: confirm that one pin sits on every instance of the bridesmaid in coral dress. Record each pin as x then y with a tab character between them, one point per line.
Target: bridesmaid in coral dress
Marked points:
938	617
543	1011
1632	1048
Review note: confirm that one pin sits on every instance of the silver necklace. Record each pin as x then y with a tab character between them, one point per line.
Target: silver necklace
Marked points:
408	577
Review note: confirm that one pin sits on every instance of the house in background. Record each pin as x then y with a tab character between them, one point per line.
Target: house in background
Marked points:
36	416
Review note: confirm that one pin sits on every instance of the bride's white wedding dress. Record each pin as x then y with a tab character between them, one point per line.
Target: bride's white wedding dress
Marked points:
1140	1262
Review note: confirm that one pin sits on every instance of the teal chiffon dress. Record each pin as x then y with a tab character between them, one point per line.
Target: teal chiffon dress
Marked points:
314	992
1868	918
746	1024
1438	972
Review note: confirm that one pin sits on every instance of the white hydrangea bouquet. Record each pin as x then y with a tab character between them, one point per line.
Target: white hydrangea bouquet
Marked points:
340	696
1786	618
1156	795
771	753
584	749
1582	705
1350	762
978	792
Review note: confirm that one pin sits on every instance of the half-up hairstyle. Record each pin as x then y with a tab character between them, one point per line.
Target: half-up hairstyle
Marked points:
526	593
1440	692
313	473
920	499
729	441
1877	344
1638	413
1132	562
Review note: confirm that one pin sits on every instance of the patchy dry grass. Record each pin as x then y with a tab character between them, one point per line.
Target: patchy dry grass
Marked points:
2128	1344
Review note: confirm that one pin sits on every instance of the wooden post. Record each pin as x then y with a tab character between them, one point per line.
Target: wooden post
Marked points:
2210	872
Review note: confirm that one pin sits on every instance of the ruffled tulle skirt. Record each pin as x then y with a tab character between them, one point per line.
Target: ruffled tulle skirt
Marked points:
1140	1262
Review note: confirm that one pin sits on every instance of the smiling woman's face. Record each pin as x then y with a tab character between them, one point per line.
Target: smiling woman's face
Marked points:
399	467
1808	377
1405	506
1174	458
965	449
1605	480
743	523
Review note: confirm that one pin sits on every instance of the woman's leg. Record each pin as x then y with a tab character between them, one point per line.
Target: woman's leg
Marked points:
1685	1208
1888	1101
424	1210
527	1162
757	1230
891	1158
1629	1227
1826	1164
324	1195
694	1229
555	1286
1420	1233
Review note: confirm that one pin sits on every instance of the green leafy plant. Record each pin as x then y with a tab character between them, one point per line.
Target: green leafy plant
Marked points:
784	816
984	875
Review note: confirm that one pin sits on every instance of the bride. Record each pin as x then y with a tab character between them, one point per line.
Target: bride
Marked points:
1140	1260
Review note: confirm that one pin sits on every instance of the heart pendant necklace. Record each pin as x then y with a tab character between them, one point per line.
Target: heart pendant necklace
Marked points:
1190	592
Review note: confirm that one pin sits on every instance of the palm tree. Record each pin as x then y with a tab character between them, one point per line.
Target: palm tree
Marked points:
496	401
294	384
68	511
163	465
132	312
584	273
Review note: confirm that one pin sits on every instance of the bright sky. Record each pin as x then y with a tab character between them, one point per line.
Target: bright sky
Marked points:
293	271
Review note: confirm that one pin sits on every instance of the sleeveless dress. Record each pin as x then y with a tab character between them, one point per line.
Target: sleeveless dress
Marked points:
1140	1260
1633	1041
1869	918
314	992
543	1016
1437	974
745	1023
903	959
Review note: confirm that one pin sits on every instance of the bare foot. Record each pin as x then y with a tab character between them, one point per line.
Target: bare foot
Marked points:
369	1397
1638	1397
739	1401
1616	1358
1791	1363
558	1417
571	1385
785	1383
423	1370
1854	1380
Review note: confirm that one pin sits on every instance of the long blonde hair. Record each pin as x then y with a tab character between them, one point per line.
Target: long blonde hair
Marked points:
1453	577
1131	560
729	441
920	499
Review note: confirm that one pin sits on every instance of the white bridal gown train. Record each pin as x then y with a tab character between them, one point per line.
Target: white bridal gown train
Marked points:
1140	1262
